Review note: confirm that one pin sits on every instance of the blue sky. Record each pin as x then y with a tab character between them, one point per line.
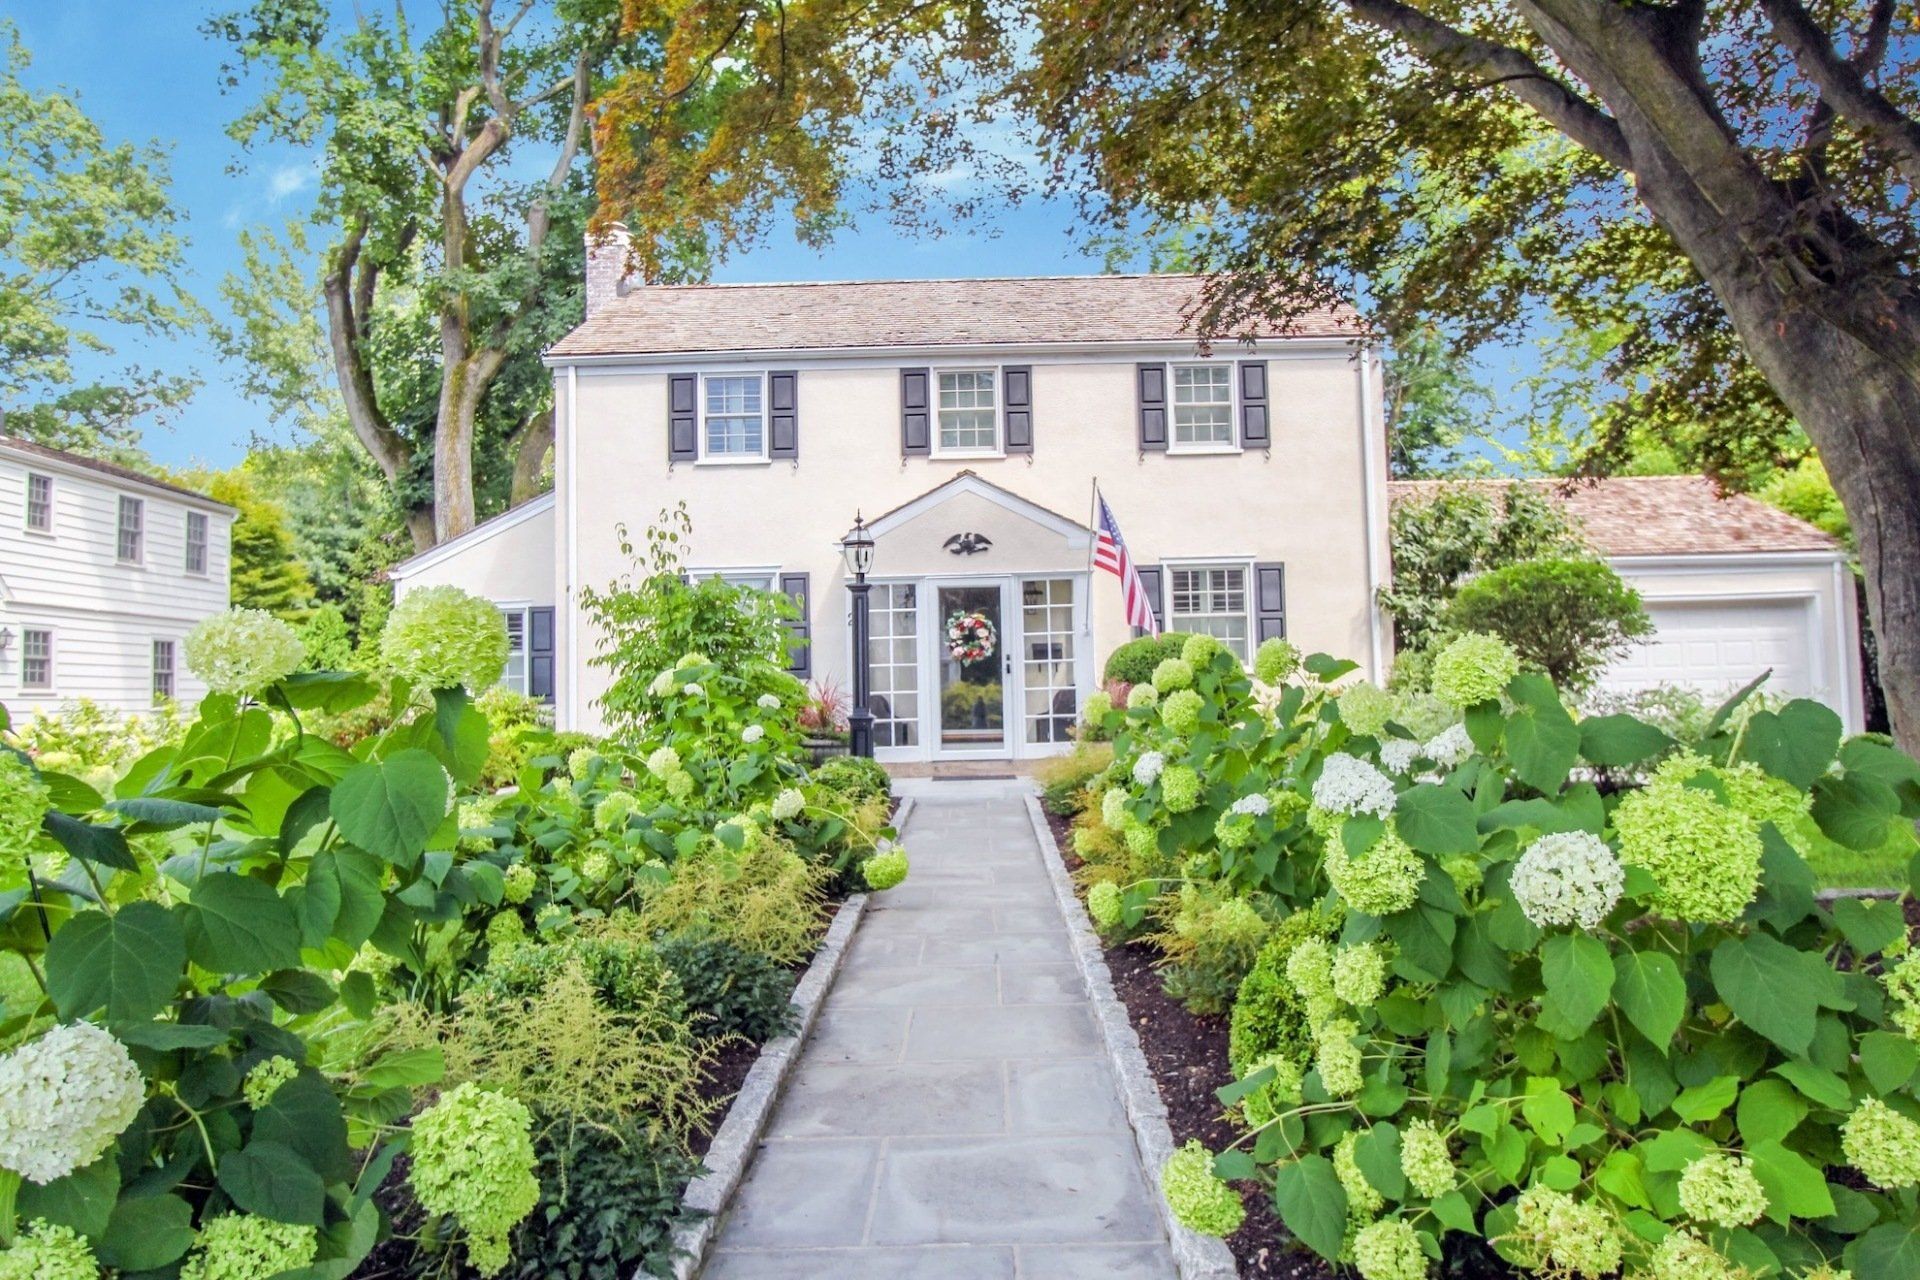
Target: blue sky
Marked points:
144	72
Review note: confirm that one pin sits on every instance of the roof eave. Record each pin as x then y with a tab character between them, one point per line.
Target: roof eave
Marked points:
556	359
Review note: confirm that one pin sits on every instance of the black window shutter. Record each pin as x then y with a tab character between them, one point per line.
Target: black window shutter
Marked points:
1152	579
783	415
1019	407
1255	430
540	654
916	431
1270	601
1153	407
800	630
683	417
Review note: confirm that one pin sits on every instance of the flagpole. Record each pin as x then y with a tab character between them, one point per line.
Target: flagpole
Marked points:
1093	524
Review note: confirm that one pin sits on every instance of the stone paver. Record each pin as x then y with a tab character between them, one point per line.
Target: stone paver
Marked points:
953	1115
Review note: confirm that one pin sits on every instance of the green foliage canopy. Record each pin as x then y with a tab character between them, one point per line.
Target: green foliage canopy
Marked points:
1568	618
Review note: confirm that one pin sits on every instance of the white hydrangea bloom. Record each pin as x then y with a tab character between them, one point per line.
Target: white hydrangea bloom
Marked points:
64	1098
693	689
1398	754
788	804
662	684
767	702
753	733
1146	770
1449	747
1568	878
1255	805
242	651
1350	785
663	761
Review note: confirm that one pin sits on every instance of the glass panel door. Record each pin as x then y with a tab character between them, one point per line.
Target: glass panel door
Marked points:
973	707
894	658
1047	642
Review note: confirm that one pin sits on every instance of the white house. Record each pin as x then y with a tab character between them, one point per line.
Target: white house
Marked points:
967	421
1734	587
103	571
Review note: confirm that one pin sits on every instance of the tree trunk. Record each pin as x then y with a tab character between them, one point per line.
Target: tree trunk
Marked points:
460	392
530	456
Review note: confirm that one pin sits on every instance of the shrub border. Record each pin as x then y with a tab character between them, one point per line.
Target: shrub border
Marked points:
747	1116
1197	1257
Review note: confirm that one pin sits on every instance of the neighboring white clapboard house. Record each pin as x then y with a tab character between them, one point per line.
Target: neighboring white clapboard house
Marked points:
1734	587
103	571
966	420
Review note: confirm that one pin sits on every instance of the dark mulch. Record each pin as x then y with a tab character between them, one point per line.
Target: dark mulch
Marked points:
725	1075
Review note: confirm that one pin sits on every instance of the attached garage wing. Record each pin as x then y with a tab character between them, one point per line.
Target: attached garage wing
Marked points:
1718	646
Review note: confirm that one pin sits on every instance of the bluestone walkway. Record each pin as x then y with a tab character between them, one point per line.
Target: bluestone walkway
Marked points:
953	1116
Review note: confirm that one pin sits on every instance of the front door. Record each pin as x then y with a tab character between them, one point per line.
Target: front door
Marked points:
970	650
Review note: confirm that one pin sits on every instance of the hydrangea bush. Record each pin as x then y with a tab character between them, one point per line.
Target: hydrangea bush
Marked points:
1597	1031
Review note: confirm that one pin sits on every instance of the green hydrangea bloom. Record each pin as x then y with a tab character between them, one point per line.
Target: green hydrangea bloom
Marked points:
505	929
45	1251
680	785
580	761
1425	1160
1263	1104
1381	881
1474	668
1143	841
1557	1234
473	1161
1365	708
1086	842
1337	1058
266	1078
1103	904
663	762
1883	1144
1179	788
241	1246
1180	711
1099	703
1363	1198
1389	1250
1902	982
1113	807
1704	856
1200	1200
613	810
1142	697
1274	661
1268	1016
1198	651
1171	674
1359	974
24	801
1749	788
1233	830
885	870
242	651
1721	1189
1310	969
597	866
1685	1256
442	637
517	883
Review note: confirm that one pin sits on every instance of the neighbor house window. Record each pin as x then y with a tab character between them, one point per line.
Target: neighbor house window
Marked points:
133	514
36	659
756	579
969	411
163	671
39	503
196	542
735	416
1202	405
515	675
1212	600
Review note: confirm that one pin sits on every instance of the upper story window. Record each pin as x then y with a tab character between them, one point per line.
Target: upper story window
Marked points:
1202	406
39	503
36	659
1212	599
753	579
969	412
132	535
196	542
163	671
734	417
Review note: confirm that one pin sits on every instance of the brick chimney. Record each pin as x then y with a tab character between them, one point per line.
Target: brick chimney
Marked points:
607	274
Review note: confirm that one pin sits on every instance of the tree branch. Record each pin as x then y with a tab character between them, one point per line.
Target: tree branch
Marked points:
347	278
1841	83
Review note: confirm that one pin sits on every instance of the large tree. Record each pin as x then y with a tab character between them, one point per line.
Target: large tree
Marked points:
90	259
1729	183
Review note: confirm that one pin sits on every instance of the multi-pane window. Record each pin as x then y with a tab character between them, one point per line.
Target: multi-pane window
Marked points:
969	411
514	676
1212	600
133	515
736	417
1202	404
894	664
1047	634
39	503
752	579
36	659
163	671
196	542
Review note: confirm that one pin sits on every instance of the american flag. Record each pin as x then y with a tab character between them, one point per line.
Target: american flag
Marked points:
1110	553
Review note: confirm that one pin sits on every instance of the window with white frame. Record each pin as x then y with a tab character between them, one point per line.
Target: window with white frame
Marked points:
755	579
969	411
893	657
39	502
36	659
163	671
1202	405
132	532
514	676
196	542
734	416
1047	633
1212	600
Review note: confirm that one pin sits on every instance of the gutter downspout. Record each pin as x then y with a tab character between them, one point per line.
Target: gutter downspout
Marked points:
1372	485
565	503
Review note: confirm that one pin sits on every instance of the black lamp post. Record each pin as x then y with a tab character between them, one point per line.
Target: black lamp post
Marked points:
857	547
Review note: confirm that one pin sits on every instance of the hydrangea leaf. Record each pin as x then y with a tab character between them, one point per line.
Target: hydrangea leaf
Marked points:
236	924
1437	820
1888	1059
1702	1102
1579	977
392	807
1312	1204
103	846
1870	926
304	1115
1773	988
273	1180
1891	1251
298	991
1797	742
82	1200
1817	1083
1542	740
329	692
1795	1186
1548	1110
1377	1152
1649	989
1620	740
1855	810
1769	1109
128	963
341	898
146	1233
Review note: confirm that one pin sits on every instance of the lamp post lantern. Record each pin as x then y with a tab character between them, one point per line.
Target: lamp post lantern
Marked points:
857	548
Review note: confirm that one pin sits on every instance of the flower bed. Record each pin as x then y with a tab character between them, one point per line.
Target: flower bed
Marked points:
1483	1016
272	1005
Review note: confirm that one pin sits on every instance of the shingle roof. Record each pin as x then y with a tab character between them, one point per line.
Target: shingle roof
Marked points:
1661	516
113	469
680	319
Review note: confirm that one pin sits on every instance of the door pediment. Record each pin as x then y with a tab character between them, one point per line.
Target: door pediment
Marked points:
971	526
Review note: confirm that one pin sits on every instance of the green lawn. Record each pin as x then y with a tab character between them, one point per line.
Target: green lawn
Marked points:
1838	867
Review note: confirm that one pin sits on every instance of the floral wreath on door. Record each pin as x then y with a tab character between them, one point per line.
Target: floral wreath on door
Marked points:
971	637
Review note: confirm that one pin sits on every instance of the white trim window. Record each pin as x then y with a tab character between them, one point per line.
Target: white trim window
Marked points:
39	502
1214	600
967	405
197	543
131	540
1203	406
162	671
753	579
36	659
514	675
733	417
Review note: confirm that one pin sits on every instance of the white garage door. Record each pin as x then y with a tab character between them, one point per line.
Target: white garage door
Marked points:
1720	646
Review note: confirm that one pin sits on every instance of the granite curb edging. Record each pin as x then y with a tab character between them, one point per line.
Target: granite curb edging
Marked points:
1198	1257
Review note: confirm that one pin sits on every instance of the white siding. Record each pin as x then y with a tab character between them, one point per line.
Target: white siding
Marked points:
104	615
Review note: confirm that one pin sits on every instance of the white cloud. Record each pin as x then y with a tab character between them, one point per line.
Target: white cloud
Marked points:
289	180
